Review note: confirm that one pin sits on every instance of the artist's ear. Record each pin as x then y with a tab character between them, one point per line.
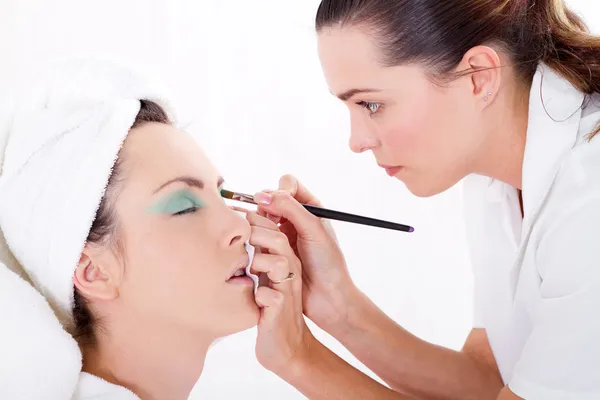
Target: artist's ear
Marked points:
98	274
487	73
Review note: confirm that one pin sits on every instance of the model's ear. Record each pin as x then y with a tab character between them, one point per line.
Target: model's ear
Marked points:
98	275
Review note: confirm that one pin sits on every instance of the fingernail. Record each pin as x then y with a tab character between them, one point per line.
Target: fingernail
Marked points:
263	198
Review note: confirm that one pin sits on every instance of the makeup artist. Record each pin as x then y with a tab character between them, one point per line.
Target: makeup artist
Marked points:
502	93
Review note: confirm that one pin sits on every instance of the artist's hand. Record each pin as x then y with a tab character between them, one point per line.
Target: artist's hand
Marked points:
328	288
283	337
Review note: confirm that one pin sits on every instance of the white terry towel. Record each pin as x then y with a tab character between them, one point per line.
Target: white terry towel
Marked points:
59	138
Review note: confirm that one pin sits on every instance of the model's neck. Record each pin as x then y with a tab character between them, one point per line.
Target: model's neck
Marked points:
153	363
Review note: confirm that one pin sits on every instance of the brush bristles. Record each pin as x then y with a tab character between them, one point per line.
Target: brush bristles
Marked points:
227	194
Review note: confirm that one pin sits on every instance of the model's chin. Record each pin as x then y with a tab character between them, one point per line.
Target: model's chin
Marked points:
251	317
244	317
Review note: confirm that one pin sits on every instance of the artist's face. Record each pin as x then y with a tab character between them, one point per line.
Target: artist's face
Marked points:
423	132
182	244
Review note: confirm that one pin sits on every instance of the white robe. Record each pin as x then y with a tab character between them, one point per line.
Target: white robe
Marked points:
91	387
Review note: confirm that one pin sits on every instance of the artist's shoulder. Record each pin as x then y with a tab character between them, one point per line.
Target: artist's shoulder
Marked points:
579	173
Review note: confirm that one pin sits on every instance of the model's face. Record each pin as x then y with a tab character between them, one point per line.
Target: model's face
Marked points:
181	243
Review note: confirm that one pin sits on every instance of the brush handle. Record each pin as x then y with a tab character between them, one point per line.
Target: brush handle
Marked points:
329	214
356	219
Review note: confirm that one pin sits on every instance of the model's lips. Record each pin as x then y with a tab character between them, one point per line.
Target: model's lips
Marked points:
391	170
239	268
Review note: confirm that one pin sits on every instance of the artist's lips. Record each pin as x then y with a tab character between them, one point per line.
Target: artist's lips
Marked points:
391	170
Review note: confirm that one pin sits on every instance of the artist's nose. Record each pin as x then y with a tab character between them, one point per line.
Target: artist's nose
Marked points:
362	141
361	138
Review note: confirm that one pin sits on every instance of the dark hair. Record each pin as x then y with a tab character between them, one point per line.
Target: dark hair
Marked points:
104	230
438	33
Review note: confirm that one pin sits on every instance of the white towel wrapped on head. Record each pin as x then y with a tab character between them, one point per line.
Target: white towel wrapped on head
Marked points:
59	139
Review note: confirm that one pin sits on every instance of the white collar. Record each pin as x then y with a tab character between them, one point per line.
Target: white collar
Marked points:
555	108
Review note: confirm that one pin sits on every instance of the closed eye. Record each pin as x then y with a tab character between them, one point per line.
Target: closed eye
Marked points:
185	203
190	210
181	202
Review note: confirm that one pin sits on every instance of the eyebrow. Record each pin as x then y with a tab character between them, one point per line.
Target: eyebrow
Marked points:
190	181
348	94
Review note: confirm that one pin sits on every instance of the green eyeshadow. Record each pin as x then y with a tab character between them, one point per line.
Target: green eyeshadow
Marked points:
176	202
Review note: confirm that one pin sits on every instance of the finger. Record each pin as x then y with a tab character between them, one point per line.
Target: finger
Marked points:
270	217
274	218
258	220
262	213
274	241
282	203
275	266
288	230
240	209
271	301
290	184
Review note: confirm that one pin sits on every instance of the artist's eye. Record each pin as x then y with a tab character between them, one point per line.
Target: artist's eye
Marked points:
372	107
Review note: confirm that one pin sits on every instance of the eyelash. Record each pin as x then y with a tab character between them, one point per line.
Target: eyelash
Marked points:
368	105
190	210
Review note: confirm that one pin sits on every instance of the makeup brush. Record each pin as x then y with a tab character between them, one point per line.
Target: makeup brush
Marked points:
328	214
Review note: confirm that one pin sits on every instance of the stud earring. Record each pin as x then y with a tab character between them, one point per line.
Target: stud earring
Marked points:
486	98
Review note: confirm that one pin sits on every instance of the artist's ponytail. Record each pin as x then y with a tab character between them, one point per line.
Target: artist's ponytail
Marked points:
568	48
437	34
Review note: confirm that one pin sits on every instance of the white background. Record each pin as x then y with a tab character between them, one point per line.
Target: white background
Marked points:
249	75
